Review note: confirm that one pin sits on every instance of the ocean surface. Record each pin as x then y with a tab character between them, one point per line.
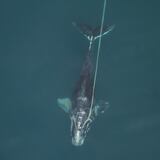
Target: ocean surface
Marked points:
41	55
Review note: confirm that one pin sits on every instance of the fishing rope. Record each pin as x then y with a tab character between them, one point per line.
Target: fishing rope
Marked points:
97	58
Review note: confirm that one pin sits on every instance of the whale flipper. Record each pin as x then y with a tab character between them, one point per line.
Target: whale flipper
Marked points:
65	104
101	107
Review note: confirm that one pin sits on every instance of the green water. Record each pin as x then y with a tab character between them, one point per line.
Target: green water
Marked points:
40	59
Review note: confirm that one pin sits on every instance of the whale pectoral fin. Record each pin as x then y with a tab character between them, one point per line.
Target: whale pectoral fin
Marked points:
65	104
101	107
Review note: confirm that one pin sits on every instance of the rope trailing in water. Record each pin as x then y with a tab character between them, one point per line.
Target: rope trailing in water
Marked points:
98	54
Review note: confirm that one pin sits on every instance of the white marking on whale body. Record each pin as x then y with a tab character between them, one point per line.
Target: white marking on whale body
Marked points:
84	99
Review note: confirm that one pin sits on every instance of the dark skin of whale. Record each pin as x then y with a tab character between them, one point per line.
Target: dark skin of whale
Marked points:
81	111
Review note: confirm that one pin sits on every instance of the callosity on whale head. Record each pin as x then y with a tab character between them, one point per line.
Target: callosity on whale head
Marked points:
80	125
81	118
